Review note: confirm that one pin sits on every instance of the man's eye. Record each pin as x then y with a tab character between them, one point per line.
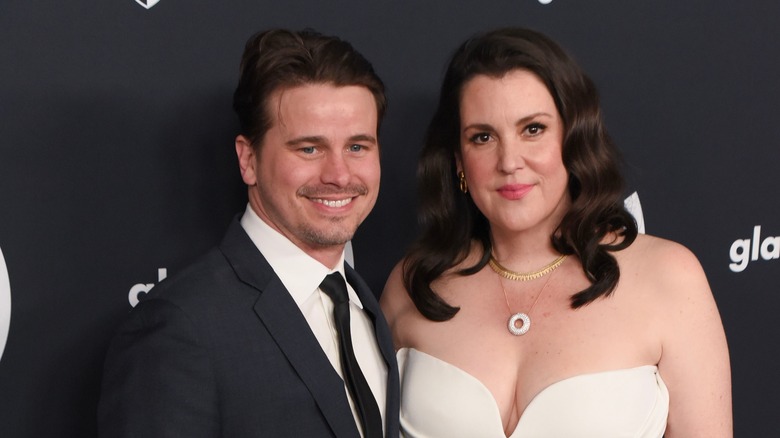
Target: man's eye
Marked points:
308	150
356	147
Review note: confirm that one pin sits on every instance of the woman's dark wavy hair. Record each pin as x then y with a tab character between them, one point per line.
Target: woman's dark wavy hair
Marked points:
451	221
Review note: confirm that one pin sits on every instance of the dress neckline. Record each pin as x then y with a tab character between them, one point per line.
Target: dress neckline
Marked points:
497	411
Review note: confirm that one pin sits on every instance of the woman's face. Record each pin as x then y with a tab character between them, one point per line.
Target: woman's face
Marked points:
510	150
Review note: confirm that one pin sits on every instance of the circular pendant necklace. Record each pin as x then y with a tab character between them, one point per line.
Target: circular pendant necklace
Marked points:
522	317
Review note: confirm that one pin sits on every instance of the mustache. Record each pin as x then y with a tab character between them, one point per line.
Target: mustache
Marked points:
350	190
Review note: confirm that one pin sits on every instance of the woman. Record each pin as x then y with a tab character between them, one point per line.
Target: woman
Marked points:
529	306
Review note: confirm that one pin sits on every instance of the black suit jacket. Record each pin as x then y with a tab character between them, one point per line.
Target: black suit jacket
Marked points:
222	350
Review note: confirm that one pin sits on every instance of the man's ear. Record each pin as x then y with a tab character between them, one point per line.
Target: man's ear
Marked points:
246	160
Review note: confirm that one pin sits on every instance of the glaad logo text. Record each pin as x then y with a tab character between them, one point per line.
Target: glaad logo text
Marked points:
744	251
142	288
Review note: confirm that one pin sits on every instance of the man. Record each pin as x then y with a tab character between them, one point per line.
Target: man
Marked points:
248	341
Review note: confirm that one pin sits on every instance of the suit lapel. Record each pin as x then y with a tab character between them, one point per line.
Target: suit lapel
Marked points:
385	342
371	306
287	325
292	334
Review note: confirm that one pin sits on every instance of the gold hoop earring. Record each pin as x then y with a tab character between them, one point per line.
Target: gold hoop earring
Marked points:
464	187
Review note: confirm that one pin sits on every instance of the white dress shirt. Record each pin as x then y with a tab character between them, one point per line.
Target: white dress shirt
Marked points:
302	275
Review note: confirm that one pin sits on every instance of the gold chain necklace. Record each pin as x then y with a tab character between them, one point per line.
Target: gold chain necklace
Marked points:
524	276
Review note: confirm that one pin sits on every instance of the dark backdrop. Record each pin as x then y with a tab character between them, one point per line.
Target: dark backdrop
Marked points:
116	158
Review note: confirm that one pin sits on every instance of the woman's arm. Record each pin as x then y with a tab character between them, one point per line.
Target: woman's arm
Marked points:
695	360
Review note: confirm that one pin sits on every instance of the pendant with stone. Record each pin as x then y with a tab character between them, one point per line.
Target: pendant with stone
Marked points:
523	329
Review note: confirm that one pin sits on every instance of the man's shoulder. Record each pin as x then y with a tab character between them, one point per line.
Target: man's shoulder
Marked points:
211	270
214	275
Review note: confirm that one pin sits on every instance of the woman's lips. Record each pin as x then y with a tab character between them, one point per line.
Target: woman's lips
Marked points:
515	191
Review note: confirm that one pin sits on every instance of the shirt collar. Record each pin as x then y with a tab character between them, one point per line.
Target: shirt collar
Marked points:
300	273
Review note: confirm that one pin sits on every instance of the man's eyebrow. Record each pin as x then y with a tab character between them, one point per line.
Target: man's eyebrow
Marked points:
316	139
363	137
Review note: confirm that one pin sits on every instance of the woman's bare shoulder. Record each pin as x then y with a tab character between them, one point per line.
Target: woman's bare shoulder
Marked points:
668	272
659	255
694	359
395	298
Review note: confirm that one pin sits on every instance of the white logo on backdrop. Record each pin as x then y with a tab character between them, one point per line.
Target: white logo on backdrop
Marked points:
634	207
142	288
545	2
147	3
744	251
5	303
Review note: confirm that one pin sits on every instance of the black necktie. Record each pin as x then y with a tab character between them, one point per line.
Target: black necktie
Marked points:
371	420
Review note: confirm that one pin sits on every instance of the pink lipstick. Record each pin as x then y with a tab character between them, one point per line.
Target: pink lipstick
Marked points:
514	192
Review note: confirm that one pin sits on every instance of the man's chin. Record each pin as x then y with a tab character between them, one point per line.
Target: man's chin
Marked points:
322	239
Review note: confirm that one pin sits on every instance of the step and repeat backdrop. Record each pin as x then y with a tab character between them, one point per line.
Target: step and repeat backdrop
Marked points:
117	165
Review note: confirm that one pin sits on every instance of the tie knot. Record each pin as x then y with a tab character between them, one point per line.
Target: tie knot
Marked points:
336	288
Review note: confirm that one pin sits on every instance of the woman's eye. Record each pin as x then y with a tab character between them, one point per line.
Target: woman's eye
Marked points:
535	129
480	138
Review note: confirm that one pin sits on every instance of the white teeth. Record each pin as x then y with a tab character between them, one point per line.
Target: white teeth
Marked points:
334	204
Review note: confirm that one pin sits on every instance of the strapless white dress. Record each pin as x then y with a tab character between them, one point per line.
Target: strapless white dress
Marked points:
439	399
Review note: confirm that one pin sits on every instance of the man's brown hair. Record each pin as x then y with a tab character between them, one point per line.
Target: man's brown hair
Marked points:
278	59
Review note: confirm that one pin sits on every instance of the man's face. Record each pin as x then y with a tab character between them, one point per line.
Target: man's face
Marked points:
316	174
